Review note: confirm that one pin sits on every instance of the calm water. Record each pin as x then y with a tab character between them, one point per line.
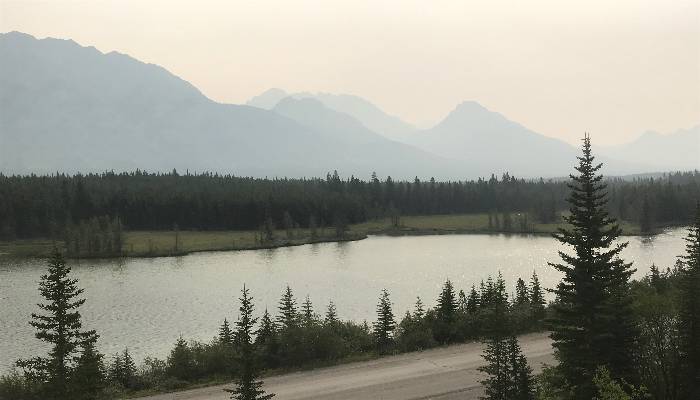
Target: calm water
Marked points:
146	304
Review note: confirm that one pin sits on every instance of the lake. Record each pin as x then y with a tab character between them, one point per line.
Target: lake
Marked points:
146	304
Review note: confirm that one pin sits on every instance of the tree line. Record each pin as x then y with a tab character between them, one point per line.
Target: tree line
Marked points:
48	206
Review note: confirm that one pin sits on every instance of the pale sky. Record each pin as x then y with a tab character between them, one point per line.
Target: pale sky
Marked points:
611	68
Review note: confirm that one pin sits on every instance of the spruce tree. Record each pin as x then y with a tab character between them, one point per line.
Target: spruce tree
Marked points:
289	315
689	313
331	318
385	325
248	386
592	323
446	312
537	302
497	382
419	310
521	294
307	312
181	361
88	380
267	342
473	301
225	334
59	325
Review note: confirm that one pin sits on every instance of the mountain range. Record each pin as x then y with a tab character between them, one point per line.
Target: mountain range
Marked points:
69	108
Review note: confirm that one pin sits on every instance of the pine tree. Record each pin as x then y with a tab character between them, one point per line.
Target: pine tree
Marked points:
521	295
447	303
497	383
419	310
331	315
181	361
248	387
385	325
307	312
537	302
123	370
289	315
267	342
592	323
225	334
509	377
60	326
520	373
446	312
473	301
462	308
689	313
88	380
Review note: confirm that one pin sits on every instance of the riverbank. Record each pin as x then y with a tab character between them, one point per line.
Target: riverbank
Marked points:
171	243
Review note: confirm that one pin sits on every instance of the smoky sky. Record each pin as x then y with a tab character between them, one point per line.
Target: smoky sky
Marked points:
561	68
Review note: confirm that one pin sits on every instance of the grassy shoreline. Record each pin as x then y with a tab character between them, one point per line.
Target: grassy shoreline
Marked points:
145	244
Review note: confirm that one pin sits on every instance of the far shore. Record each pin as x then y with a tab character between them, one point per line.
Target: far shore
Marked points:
145	244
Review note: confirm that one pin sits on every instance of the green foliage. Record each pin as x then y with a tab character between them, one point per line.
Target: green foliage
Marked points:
385	324
43	206
509	377
60	326
592	323
689	313
446	310
88	381
181	363
608	388
248	386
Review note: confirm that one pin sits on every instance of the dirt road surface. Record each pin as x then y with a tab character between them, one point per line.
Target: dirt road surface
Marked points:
444	373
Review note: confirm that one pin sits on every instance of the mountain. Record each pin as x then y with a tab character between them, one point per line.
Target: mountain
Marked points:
394	158
679	150
490	140
364	111
69	108
268	99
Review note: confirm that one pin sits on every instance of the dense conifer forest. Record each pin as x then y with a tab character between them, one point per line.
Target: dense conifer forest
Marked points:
49	206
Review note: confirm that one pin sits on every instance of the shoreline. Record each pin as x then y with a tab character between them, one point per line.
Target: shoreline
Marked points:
39	248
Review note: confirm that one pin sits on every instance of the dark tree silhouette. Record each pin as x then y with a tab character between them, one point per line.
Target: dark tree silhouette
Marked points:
248	386
592	323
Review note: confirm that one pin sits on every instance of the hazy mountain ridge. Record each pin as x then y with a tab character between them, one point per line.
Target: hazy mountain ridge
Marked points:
65	107
71	108
677	150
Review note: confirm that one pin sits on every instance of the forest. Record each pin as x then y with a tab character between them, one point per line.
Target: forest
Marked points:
49	206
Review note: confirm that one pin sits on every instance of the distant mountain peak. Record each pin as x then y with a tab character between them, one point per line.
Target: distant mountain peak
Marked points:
267	99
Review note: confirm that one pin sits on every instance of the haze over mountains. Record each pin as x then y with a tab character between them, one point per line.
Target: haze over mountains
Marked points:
64	107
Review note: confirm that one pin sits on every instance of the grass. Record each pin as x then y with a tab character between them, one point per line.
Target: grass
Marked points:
462	223
162	243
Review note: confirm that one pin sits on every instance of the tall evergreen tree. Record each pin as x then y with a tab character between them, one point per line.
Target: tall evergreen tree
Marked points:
689	313
225	333
592	323
59	325
267	341
385	325
331	318
473	301
446	312
181	361
307	312
521	294
289	315
248	386
509	377
537	302
419	310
